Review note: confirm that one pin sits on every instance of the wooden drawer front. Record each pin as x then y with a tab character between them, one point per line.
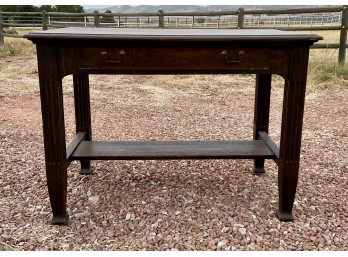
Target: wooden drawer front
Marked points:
169	58
173	58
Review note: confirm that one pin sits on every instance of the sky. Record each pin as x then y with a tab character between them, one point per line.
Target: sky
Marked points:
102	3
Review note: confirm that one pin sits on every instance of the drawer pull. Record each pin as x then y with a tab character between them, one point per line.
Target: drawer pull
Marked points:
118	57
233	58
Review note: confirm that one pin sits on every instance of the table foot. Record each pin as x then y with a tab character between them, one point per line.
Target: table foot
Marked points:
257	170
60	220
287	183
86	171
259	166
285	216
86	168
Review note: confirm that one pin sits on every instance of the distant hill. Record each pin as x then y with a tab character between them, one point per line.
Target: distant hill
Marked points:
165	8
189	8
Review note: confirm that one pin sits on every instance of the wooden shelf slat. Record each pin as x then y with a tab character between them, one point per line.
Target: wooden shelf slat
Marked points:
269	142
145	150
74	143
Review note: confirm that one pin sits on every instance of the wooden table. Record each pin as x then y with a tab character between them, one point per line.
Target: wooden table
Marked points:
84	51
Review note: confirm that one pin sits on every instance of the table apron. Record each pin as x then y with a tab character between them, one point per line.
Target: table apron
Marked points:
180	60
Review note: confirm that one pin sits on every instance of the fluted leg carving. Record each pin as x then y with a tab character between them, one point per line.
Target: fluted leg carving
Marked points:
53	132
291	130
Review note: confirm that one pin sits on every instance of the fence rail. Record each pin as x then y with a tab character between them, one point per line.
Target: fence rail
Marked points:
328	18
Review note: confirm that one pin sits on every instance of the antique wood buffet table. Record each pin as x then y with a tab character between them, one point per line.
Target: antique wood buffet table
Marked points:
84	51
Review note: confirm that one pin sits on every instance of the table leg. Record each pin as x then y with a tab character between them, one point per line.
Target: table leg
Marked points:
83	113
291	130
261	113
53	132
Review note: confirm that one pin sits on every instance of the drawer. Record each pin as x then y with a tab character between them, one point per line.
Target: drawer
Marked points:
173	58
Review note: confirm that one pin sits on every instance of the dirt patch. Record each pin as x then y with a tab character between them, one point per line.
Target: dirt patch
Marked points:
168	205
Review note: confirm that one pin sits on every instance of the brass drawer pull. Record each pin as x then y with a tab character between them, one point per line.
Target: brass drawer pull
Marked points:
118	57
233	58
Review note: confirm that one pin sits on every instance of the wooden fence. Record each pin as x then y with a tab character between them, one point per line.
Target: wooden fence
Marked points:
326	18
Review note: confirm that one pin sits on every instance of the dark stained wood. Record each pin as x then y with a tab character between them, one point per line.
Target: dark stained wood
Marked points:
83	51
80	136
270	143
154	150
83	113
261	112
171	58
291	131
174	58
67	61
186	35
53	131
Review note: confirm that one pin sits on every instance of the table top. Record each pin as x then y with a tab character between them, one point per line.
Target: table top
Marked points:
73	33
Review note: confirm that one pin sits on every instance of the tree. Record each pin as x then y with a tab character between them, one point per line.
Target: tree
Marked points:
17	8
201	20
107	19
47	8
26	8
69	8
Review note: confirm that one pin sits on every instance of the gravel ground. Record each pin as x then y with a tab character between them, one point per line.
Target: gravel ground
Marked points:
168	205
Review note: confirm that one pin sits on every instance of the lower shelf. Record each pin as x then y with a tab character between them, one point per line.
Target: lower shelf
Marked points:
147	150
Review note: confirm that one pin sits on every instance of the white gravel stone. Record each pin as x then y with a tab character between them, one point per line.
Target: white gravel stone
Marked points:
242	231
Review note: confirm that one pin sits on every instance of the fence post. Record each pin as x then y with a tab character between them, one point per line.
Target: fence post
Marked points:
44	20
96	19
160	19
1	31
343	36
240	18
